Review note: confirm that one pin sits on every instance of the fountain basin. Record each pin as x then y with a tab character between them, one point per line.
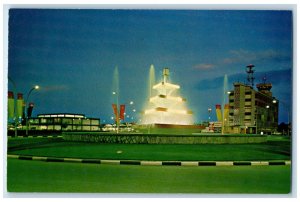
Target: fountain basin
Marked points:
175	129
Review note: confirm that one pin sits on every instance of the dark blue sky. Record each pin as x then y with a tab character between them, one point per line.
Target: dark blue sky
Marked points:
72	55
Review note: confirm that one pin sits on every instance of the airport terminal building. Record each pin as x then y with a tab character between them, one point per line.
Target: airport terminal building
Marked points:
64	122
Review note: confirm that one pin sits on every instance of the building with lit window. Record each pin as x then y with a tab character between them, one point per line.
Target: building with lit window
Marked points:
252	111
64	122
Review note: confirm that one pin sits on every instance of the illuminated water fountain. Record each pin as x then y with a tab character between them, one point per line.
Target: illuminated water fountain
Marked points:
165	106
166	120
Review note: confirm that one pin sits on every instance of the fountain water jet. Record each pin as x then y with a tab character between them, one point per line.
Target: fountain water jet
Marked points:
116	94
225	107
151	79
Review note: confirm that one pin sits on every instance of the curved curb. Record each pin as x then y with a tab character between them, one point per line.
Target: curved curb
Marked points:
152	163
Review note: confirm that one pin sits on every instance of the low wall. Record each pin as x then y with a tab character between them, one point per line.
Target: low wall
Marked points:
163	139
34	133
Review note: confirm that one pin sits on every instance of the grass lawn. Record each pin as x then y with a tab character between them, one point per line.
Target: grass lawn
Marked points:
275	149
36	176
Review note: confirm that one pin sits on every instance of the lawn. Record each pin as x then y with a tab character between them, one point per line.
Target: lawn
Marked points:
274	149
36	176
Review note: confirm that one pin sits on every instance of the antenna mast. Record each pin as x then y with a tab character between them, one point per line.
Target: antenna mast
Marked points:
250	77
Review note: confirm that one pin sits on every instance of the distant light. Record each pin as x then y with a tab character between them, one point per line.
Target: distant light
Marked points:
131	102
134	110
114	93
36	87
267	106
228	92
112	118
274	101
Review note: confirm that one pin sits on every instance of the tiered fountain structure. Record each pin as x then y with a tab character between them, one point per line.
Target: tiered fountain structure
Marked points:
167	109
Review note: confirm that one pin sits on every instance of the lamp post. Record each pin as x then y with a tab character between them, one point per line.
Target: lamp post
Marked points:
133	110
26	101
256	117
15	106
209	112
256	121
115	93
130	114
288	113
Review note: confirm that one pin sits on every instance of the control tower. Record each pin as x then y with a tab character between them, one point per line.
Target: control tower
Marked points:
265	87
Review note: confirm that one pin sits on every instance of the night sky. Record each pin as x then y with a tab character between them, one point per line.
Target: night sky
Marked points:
72	55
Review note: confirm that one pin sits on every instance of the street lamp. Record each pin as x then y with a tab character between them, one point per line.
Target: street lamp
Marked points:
26	101
256	117
286	106
115	93
209	112
129	118
131	103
